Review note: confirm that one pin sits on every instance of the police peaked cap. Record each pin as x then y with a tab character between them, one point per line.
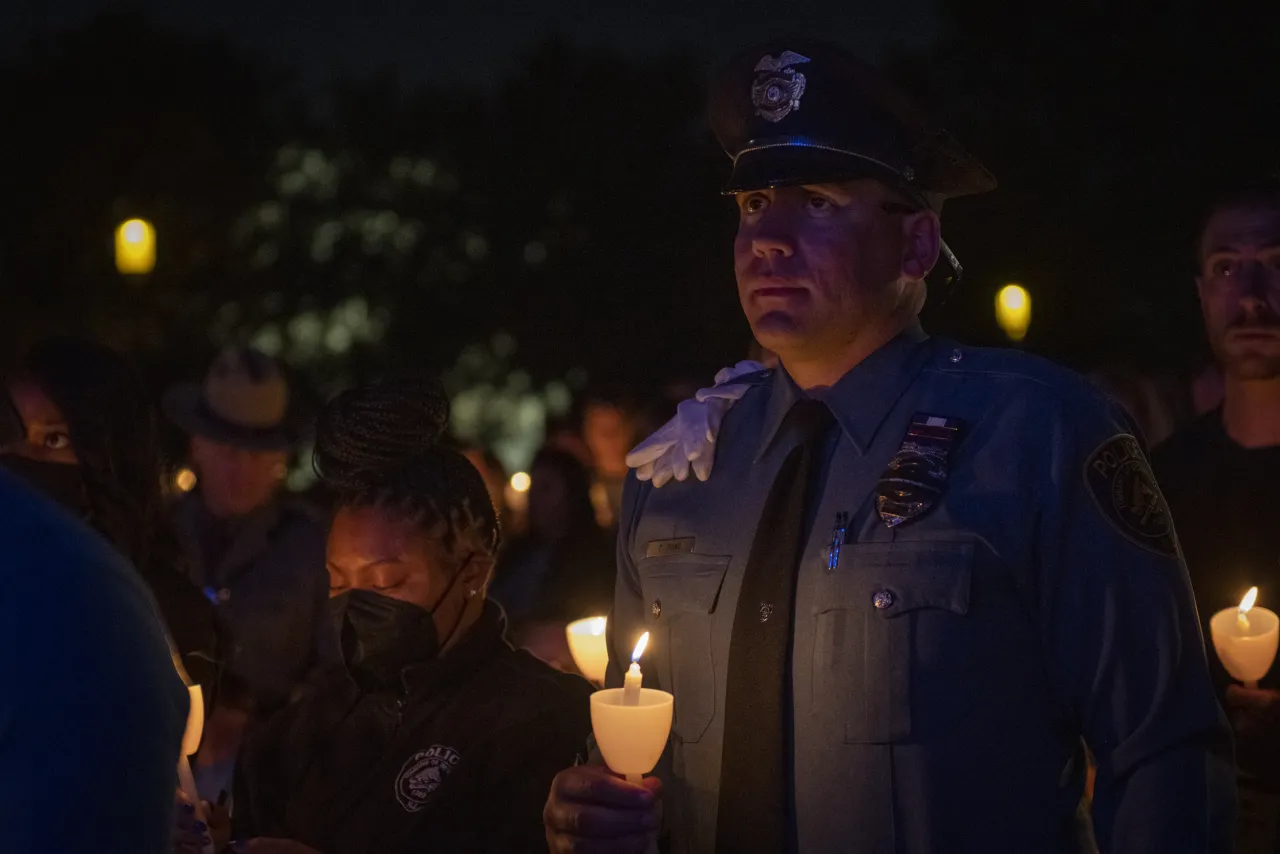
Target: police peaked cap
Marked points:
805	112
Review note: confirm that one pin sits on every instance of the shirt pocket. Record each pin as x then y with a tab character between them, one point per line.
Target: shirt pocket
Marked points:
882	618
680	598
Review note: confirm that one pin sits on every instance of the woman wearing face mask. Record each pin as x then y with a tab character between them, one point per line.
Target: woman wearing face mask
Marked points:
437	735
90	443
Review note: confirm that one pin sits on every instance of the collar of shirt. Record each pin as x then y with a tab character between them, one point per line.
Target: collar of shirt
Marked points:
223	546
860	399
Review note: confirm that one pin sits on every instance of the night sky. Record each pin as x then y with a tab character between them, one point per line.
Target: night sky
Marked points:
475	42
1107	133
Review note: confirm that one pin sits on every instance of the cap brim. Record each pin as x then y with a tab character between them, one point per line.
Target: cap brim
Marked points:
791	165
184	406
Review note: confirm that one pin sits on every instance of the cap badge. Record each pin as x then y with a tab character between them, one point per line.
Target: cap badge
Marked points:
778	87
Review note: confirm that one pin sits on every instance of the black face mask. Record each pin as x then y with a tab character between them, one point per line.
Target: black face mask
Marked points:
61	482
381	636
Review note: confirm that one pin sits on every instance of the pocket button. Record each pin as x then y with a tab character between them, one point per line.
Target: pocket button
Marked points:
883	599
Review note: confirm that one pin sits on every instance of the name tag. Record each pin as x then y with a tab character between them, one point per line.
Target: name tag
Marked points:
662	548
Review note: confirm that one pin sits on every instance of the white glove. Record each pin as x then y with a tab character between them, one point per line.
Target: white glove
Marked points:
689	438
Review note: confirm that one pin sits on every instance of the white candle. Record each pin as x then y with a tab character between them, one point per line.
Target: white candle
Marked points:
632	724
589	648
190	744
634	678
1245	638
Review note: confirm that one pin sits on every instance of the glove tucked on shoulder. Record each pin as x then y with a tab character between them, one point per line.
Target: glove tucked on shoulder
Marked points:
688	440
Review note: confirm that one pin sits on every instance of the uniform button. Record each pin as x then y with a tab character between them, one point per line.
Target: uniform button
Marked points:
956	355
883	599
656	608
766	611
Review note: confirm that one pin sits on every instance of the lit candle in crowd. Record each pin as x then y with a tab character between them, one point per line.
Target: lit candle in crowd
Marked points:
589	648
631	684
1245	638
1246	605
190	744
632	724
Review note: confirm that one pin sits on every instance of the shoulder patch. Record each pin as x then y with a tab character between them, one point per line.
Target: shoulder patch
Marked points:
1122	485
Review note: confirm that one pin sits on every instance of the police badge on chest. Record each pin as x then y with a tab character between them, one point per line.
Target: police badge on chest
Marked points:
913	481
423	774
917	475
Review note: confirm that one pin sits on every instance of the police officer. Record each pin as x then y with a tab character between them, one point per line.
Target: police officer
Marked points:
922	577
257	554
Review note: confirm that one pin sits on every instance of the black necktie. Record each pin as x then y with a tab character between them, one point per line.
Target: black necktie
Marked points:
755	775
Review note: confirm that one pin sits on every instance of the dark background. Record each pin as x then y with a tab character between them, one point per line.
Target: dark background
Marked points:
526	198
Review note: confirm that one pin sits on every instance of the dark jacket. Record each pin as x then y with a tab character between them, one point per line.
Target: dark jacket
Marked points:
460	760
266	575
191	622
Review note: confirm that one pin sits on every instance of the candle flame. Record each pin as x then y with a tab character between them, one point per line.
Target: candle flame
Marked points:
1246	604
644	642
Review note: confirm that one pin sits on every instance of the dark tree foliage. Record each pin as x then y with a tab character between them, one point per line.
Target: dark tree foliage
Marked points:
575	207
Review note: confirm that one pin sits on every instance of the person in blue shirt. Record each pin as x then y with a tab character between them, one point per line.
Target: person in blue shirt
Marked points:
922	578
92	706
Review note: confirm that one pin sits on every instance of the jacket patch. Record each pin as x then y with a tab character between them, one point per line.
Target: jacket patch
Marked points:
1125	490
423	774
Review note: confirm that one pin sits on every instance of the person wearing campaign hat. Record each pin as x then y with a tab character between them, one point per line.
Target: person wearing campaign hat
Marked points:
920	578
255	553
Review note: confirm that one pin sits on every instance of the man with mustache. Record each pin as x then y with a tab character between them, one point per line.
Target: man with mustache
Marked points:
1221	474
921	576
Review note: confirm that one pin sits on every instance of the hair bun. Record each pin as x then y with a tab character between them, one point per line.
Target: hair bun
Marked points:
374	428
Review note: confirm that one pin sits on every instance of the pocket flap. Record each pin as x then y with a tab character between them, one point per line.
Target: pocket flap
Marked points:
684	584
896	578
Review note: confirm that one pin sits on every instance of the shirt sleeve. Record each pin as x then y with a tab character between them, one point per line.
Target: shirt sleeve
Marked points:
1126	657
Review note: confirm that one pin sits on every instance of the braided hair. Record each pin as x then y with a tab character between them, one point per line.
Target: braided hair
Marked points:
381	445
112	425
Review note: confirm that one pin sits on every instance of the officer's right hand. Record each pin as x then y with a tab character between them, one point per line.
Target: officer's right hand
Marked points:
591	811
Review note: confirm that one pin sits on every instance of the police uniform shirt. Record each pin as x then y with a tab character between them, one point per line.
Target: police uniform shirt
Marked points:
945	669
266	575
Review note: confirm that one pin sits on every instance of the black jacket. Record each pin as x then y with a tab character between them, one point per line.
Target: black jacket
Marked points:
461	760
267	573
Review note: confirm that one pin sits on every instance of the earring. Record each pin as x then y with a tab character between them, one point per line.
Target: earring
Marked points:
472	592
